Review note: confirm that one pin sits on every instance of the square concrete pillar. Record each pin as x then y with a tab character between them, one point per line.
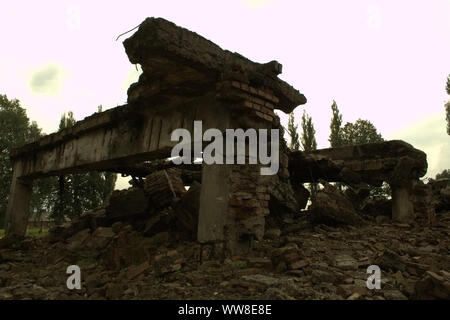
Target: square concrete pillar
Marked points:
18	210
233	206
213	212
402	205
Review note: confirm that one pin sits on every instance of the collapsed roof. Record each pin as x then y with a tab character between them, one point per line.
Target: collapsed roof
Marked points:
176	60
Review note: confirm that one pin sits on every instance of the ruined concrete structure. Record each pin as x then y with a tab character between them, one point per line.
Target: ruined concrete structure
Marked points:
395	162
186	78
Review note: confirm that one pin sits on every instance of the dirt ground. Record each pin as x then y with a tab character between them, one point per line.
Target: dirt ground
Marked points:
295	261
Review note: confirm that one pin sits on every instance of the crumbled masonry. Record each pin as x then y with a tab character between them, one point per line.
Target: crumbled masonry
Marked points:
217	231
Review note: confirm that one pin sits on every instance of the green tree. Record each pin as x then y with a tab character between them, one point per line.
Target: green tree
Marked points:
335	138
447	87
292	131
360	132
447	105
15	131
308	138
447	111
308	141
77	193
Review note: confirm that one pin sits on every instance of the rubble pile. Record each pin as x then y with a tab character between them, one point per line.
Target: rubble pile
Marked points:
150	252
299	261
440	194
234	233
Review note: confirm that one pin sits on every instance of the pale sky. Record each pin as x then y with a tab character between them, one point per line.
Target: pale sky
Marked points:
385	61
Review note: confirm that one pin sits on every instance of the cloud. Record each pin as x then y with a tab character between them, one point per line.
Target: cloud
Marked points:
257	3
430	136
47	80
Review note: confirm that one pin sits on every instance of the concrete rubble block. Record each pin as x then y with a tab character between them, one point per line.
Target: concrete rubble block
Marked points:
158	222
77	241
444	199
273	234
100	238
345	262
377	206
283	197
96	218
259	262
135	271
394	295
332	207
265	281
162	187
126	249
300	264
423	204
187	210
433	285
441	194
391	260
127	203
168	262
288	256
325	275
347	290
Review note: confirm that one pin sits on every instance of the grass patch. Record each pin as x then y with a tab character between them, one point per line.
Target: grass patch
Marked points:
240	264
31	232
34	232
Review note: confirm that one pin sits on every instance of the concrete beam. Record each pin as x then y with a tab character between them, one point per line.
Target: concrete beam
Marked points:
115	138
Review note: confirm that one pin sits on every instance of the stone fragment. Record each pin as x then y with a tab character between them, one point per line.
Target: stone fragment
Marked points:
114	290
378	206
433	286
100	238
135	271
259	262
299	264
354	296
345	262
262	279
187	209
346	290
274	233
391	260
168	262
126	203
77	241
332	207
394	295
163	186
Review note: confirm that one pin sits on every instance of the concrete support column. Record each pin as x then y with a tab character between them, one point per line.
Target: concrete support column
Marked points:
213	212
18	209
233	206
402	205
